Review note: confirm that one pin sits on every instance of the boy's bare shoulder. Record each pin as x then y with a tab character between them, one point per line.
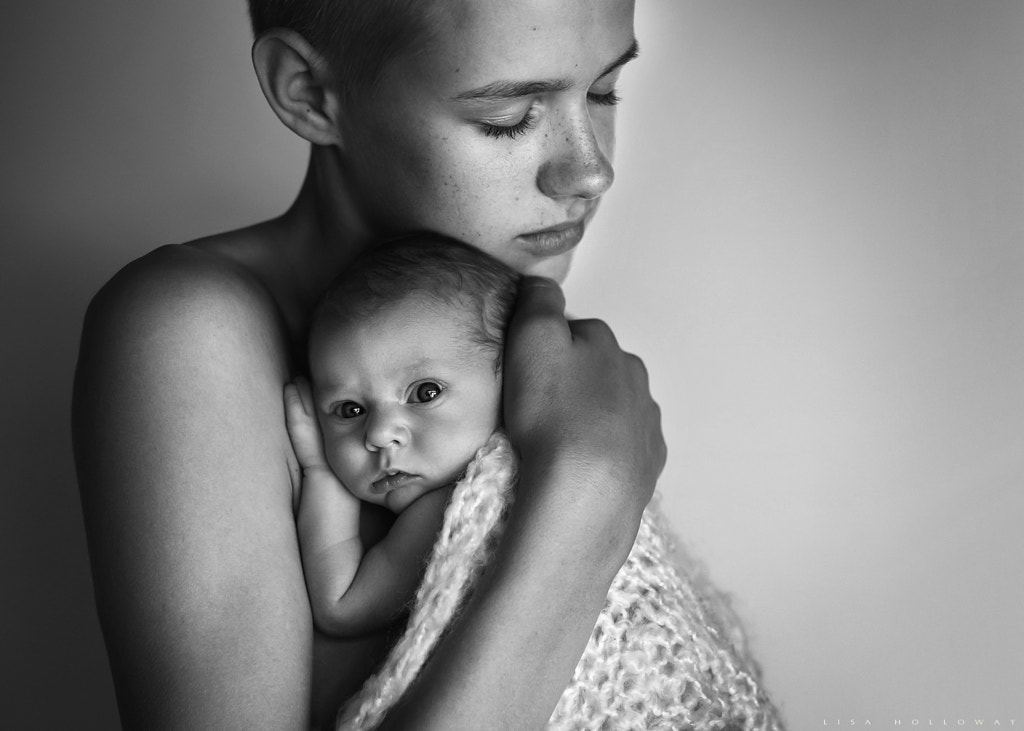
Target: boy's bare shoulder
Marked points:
187	484
195	337
184	282
178	323
178	295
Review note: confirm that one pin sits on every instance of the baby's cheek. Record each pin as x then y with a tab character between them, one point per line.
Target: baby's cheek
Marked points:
341	460
453	443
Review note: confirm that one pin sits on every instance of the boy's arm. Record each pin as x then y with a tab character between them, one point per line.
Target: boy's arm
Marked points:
579	412
183	467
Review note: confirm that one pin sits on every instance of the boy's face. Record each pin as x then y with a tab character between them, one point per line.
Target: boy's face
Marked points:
500	131
404	400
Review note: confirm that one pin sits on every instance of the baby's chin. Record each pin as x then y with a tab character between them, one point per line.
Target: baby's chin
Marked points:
398	500
397	503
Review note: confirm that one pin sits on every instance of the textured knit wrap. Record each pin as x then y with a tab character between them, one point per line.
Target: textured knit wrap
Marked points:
666	653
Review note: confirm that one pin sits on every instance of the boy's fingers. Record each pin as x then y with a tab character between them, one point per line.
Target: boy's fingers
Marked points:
540	296
593	330
540	300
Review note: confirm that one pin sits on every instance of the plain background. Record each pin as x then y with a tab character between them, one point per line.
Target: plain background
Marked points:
816	241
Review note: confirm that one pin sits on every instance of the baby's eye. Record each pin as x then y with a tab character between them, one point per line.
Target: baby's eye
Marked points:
426	391
349	410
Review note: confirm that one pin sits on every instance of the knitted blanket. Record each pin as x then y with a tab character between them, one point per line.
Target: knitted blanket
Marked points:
666	653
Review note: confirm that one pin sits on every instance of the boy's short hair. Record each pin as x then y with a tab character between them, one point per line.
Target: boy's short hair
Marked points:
356	37
428	266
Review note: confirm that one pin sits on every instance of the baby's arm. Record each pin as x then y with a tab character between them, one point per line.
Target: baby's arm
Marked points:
352	594
389	573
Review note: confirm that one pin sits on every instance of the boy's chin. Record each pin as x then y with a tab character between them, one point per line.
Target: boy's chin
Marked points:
554	267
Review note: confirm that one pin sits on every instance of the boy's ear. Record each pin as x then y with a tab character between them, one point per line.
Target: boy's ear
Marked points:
298	83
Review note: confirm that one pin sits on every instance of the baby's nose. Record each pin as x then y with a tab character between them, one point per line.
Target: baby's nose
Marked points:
385	429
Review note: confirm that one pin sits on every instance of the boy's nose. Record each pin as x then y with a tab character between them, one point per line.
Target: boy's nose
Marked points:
578	167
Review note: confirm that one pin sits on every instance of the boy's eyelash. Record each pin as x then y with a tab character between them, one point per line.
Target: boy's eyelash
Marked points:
608	100
512	131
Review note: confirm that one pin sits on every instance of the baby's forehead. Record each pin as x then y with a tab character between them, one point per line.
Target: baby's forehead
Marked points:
398	344
386	321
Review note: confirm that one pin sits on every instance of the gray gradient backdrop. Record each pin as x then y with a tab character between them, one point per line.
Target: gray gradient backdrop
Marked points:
815	240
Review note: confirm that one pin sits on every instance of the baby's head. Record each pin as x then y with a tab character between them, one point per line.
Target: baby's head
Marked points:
405	355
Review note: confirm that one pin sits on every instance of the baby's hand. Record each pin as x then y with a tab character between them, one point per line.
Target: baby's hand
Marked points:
303	429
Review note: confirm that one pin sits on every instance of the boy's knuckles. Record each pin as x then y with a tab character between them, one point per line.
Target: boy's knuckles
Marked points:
539	300
540	289
639	368
593	329
536	329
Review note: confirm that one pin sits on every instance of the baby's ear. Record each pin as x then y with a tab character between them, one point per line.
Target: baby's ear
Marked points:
299	85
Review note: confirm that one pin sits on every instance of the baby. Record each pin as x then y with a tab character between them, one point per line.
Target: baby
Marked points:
405	358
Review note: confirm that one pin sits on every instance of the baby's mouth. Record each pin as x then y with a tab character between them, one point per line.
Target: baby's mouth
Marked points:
390	480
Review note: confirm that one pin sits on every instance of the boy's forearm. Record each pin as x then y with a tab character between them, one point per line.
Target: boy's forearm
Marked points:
518	640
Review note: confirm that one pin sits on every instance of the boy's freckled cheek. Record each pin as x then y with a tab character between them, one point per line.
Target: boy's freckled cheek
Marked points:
420	165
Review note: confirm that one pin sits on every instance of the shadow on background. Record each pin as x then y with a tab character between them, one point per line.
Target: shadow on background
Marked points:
55	670
135	127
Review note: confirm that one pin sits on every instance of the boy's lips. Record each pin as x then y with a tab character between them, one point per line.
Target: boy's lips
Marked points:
554	240
390	480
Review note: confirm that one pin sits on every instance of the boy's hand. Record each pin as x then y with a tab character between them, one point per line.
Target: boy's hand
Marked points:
303	429
575	402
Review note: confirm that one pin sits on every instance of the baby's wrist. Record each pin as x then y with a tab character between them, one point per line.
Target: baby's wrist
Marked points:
318	474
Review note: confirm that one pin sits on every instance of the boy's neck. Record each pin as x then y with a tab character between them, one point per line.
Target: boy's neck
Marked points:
322	231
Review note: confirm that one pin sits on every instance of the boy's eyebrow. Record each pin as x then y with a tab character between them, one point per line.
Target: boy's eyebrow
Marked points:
628	55
499	90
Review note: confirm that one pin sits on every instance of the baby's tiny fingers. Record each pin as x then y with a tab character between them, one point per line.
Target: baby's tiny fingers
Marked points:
305	391
292	401
301	424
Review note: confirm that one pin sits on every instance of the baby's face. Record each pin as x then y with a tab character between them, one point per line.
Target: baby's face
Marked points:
404	400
